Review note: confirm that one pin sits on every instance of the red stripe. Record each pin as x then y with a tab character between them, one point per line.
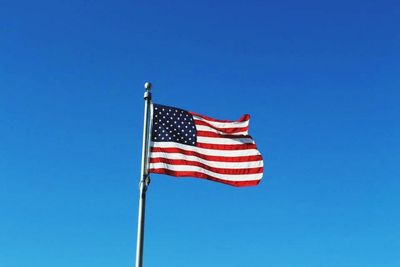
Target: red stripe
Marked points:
244	118
226	147
224	130
206	157
205	176
213	134
207	167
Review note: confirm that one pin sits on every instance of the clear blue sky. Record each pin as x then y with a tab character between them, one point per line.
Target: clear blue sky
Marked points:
320	80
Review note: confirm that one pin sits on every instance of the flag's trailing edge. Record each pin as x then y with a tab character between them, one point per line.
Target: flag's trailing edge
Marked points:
187	144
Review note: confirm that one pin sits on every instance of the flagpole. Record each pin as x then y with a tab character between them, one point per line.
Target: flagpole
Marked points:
144	178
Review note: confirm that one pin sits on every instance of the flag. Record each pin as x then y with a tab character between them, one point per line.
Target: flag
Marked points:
187	144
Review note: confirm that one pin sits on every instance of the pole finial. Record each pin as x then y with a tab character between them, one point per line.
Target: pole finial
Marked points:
147	86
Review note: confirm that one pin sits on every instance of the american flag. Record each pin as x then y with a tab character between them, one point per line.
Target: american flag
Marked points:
187	144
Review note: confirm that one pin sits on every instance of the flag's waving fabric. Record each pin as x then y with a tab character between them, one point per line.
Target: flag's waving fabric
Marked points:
184	143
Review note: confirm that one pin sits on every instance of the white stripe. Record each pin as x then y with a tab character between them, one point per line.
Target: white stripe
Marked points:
227	177
209	129
215	164
224	141
233	124
209	152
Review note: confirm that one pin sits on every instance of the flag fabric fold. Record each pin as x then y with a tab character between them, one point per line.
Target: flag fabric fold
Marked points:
187	144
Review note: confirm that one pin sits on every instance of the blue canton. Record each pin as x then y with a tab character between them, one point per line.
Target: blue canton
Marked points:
173	125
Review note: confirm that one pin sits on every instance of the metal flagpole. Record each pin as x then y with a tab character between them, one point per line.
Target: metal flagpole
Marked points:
145	178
